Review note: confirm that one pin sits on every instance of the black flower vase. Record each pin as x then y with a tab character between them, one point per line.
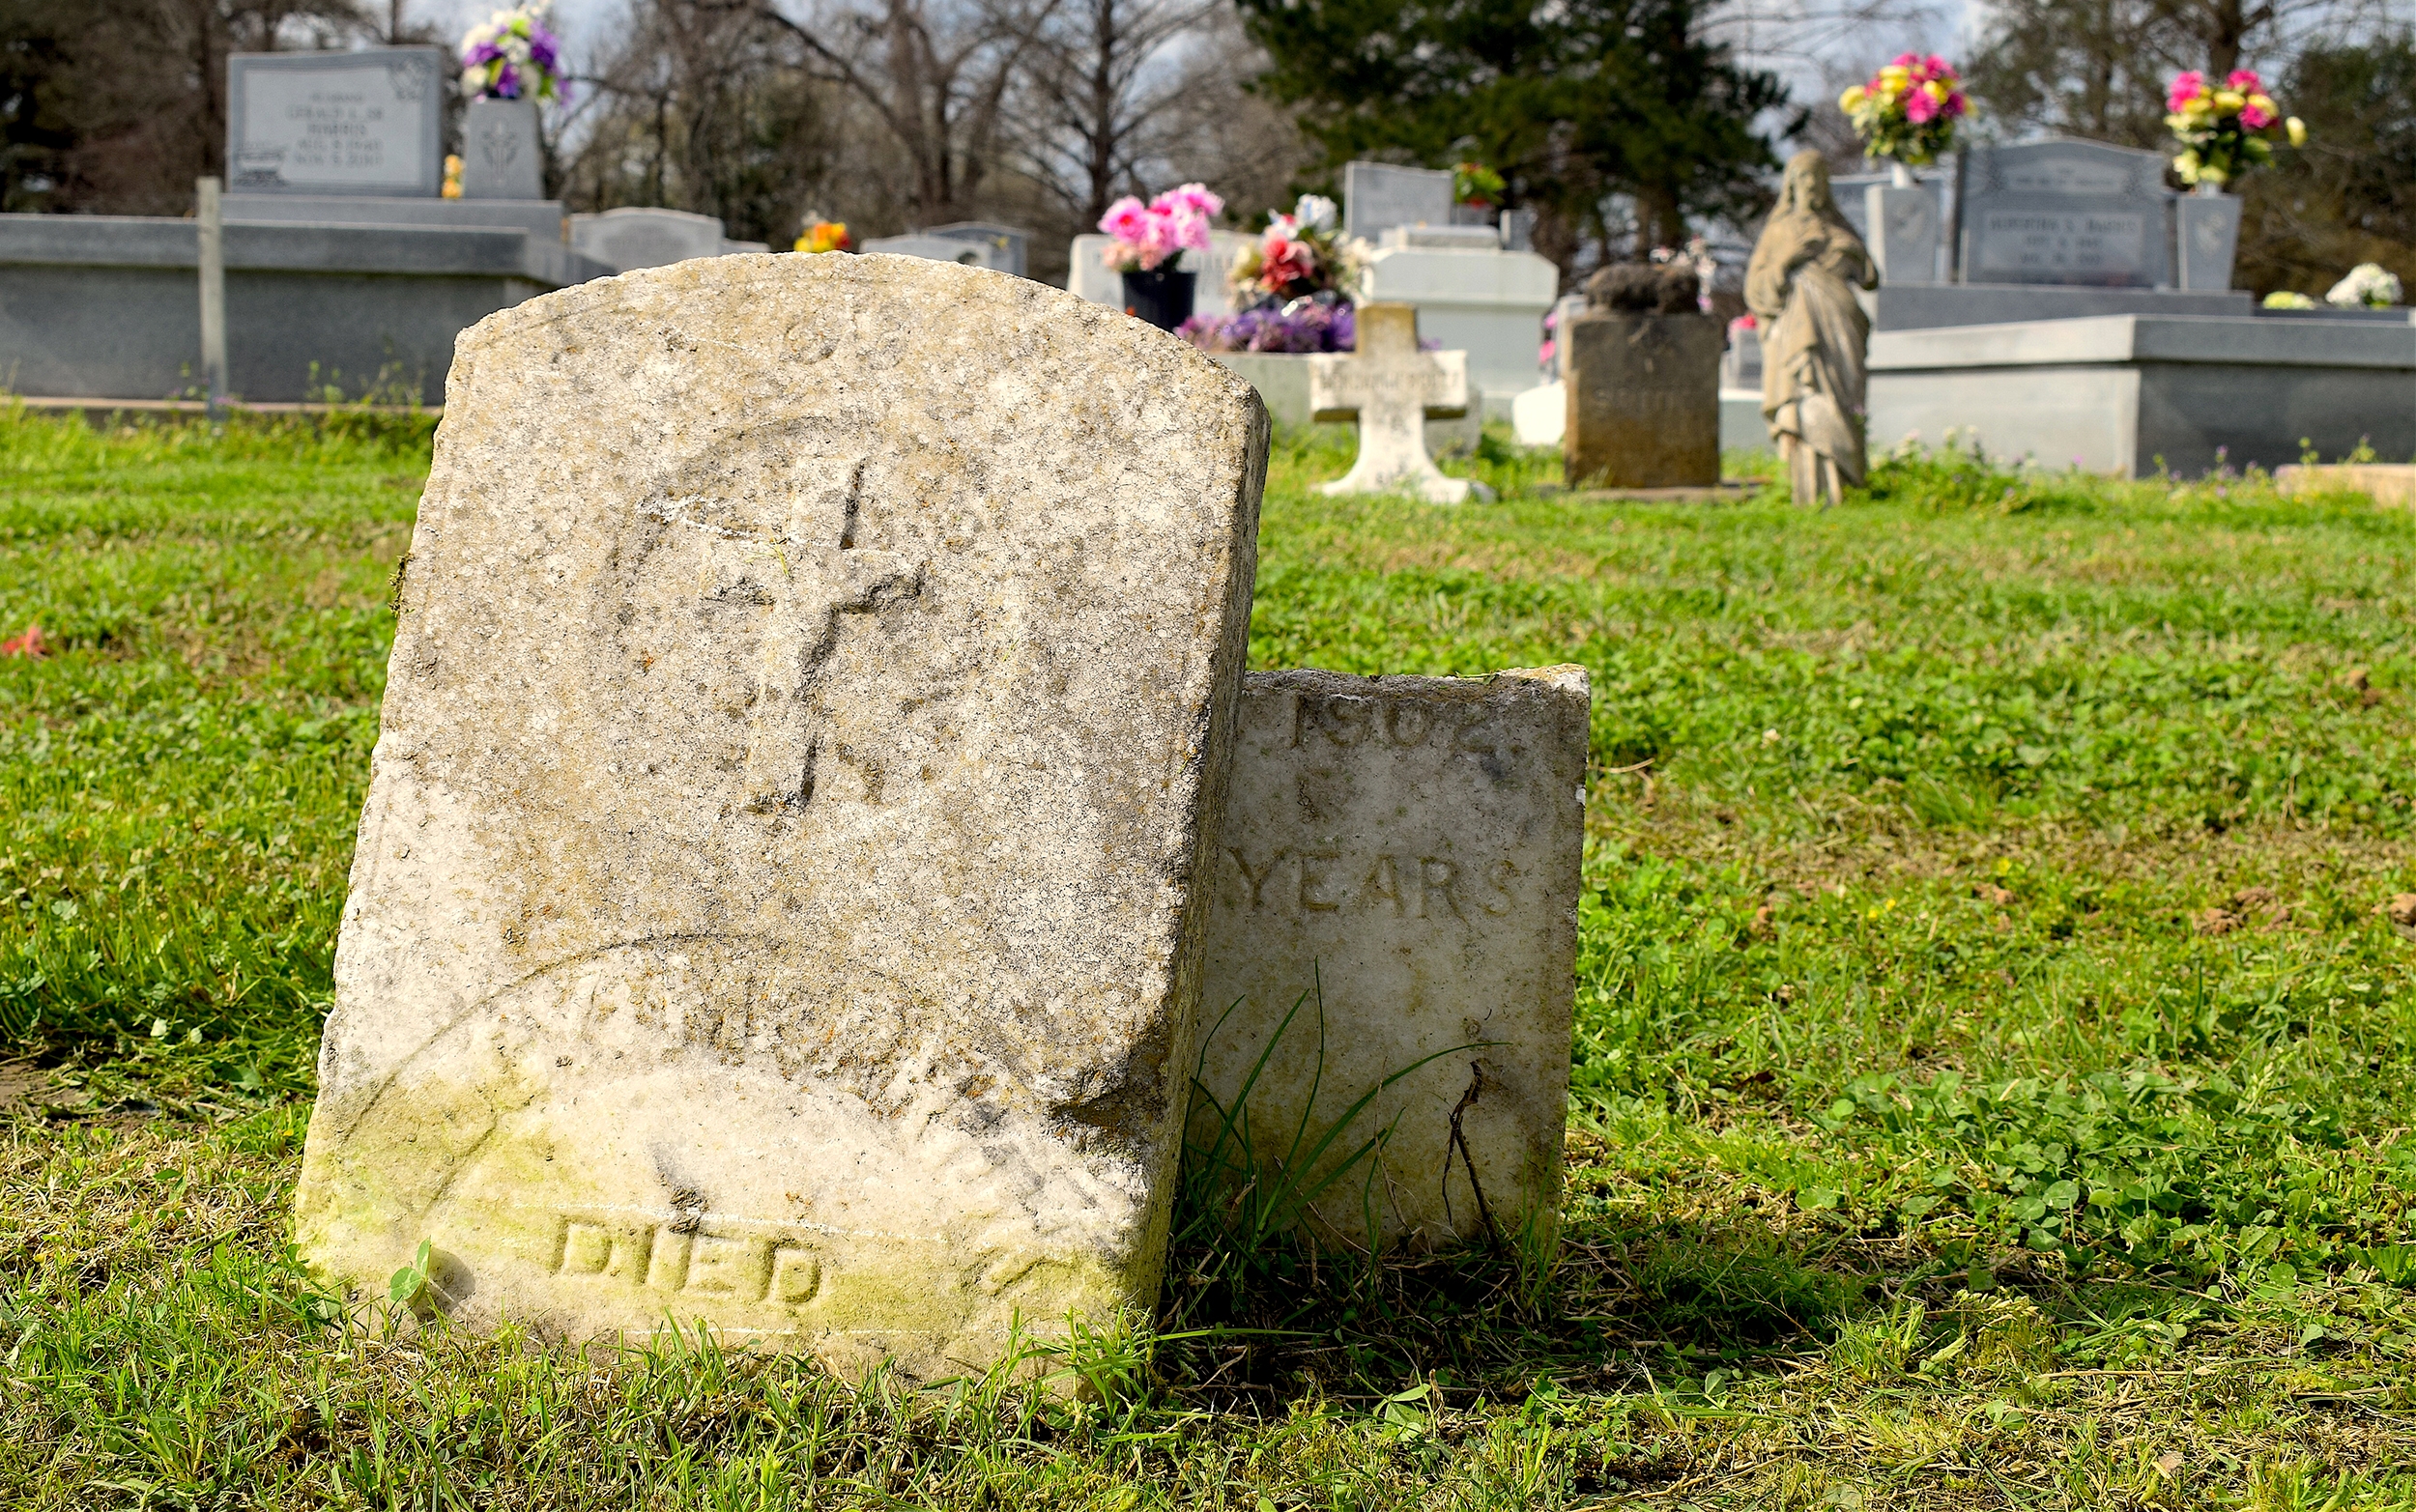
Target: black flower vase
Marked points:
1160	295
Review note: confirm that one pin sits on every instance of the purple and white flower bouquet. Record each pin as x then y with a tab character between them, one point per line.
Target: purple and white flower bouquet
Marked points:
512	55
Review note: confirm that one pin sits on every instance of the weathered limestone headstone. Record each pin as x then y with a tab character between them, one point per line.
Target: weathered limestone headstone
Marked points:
1643	374
776	901
1391	389
335	123
1411	845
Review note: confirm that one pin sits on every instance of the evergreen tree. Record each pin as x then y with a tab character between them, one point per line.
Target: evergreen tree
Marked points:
1577	103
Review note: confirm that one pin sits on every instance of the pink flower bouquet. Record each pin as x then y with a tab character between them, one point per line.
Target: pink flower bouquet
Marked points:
2224	129
1146	236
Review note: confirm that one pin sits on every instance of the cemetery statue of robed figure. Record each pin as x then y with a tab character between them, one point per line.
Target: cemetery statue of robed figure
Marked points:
1816	339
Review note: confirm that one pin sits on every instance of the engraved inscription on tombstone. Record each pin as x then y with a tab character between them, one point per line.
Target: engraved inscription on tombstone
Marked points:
1408	848
501	155
778	899
335	123
2065	212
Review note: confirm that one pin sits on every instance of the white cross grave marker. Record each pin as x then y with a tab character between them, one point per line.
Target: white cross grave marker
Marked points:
1391	389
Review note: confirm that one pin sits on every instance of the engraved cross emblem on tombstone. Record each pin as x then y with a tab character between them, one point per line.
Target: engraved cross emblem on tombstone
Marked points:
799	581
1391	389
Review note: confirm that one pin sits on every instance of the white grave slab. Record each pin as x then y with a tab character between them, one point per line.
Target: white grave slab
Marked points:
1540	416
336	122
1390	387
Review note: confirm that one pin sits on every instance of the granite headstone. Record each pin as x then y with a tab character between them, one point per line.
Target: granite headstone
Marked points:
2066	213
1378	196
336	122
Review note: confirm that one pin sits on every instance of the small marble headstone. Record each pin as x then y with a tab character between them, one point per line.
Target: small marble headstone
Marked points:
645	237
778	901
336	122
1391	388
1404	852
943	250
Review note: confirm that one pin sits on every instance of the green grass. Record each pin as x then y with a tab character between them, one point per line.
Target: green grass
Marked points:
1995	1082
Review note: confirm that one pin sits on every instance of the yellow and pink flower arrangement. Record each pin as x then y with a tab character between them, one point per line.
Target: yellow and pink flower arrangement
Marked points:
2227	128
1909	109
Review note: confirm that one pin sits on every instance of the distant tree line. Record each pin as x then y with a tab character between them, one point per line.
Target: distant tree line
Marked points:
1620	124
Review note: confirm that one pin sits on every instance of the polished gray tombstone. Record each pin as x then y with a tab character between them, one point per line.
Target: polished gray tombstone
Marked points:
2205	239
1851	192
1010	246
501	159
2064	212
336	122
645	237
936	249
1906	227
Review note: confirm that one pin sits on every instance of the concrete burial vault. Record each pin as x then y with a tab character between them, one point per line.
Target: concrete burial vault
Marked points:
784	894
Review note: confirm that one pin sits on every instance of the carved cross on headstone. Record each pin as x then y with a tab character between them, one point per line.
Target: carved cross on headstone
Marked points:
1391	389
806	575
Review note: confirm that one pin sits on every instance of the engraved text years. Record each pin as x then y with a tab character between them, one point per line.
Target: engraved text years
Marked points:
1304	881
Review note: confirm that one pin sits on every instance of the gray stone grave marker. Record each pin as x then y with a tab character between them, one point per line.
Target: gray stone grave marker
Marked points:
1391	388
1644	399
1409	848
501	156
2066	213
336	122
645	237
778	899
1378	196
